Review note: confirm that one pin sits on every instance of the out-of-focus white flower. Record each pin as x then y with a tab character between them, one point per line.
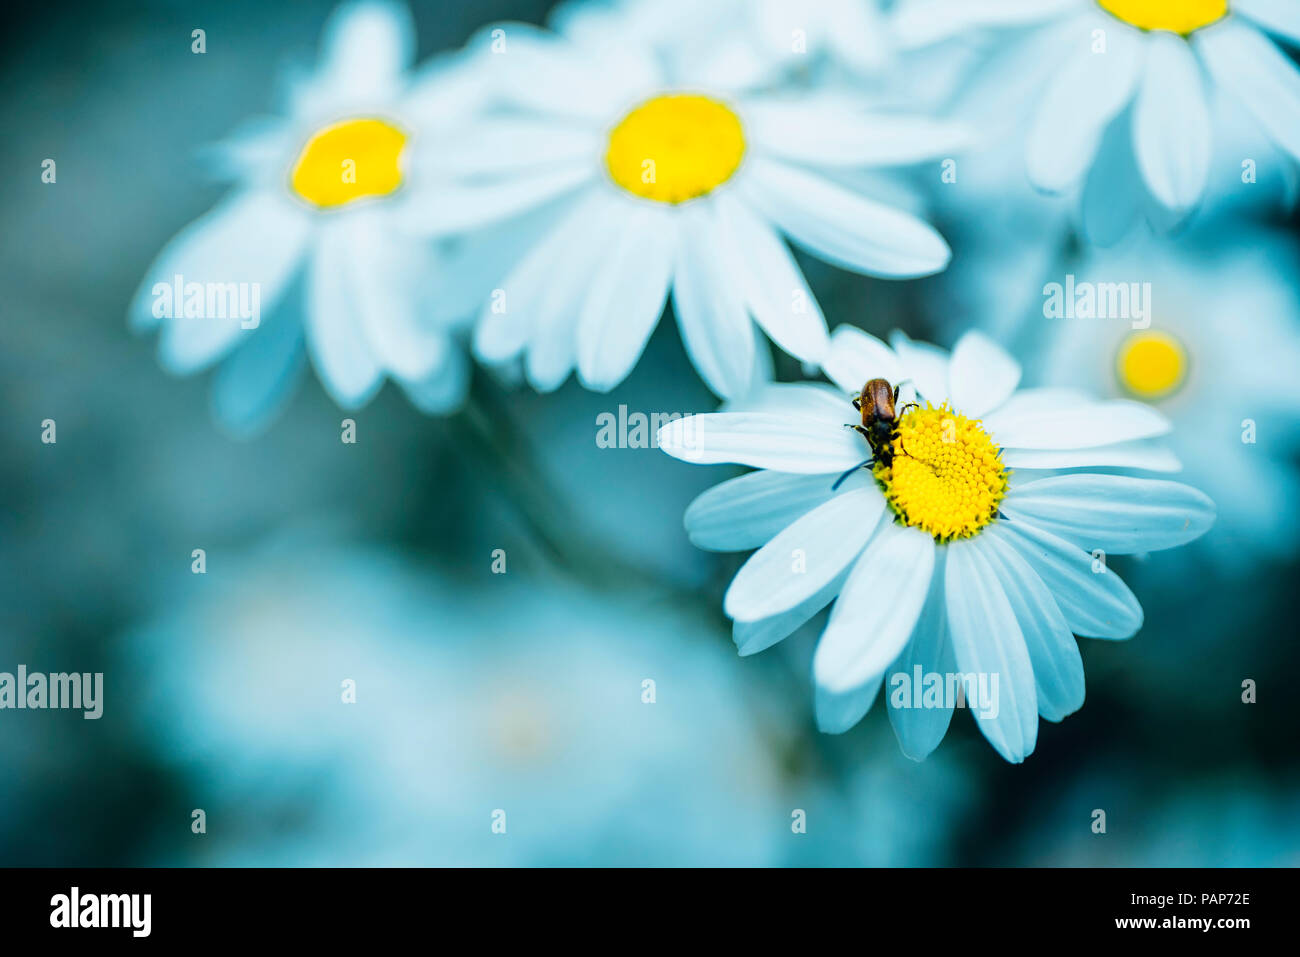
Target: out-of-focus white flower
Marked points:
1216	349
662	175
1121	90
950	569
313	211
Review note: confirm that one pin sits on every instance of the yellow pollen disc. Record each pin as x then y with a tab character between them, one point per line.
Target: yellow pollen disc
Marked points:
1151	364
676	147
946	477
347	161
1176	16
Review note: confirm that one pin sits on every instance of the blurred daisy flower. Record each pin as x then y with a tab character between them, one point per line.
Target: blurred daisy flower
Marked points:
659	173
1153	66
1216	351
315	197
952	571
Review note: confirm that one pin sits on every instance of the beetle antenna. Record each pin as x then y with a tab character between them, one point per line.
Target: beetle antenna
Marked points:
844	478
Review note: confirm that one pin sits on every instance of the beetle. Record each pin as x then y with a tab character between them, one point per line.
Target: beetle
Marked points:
878	405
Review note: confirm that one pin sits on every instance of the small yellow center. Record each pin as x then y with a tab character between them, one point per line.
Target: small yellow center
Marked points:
348	161
676	147
1176	16
1151	364
946	477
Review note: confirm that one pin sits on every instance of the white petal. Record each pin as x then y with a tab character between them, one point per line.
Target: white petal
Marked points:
497	146
1053	652
1171	124
806	555
775	290
987	643
1076	427
834	131
1267	83
453	208
855	358
746	512
811	399
443	389
1143	454
923	22
347	366
1116	513
844	228
253	237
1093	599
254	383
715	325
837	712
784	443
367	46
626	297
919	729
924	365
1277	16
981	375
1087	93
752	637
877	609
387	275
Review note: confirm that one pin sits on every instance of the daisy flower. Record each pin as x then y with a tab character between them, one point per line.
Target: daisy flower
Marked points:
312	211
950	564
660	173
1217	353
1150	65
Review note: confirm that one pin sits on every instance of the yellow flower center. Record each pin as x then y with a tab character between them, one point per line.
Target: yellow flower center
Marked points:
1151	364
676	147
348	161
946	476
1176	16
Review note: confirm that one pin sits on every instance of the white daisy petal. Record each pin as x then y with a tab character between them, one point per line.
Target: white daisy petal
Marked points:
348	368
496	146
783	443
804	556
1248	64
1088	91
625	298
1053	651
254	383
746	512
1277	16
811	399
1143	454
775	290
752	637
1093	599
711	314
1076	427
920	725
1116	513
866	633
855	358
844	228
251	237
988	643
831	132
443	388
837	712
981	375
925	366
367	45
1171	124
450	209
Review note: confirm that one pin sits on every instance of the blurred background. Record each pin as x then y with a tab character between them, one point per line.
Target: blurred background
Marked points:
591	693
